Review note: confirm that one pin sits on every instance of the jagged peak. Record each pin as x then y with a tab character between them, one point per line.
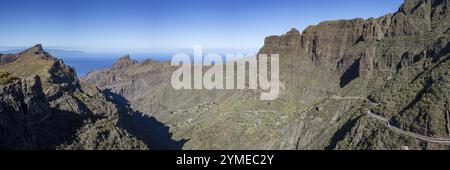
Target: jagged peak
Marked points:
293	31
35	49
123	62
125	58
409	6
35	60
39	46
149	61
290	40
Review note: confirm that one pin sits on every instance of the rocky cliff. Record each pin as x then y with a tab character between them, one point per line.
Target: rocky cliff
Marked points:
399	61
44	106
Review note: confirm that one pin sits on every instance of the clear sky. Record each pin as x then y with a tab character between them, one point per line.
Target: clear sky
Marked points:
161	25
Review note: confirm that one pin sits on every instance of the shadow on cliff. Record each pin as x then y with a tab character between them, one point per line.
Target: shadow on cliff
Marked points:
148	129
341	133
350	74
34	124
58	130
43	134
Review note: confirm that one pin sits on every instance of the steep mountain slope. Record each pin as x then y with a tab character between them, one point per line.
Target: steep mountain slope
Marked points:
43	106
332	75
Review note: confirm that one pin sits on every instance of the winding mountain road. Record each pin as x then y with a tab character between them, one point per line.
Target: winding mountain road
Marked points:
388	121
348	97
400	131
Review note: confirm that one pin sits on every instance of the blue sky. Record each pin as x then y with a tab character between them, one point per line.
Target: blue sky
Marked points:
164	25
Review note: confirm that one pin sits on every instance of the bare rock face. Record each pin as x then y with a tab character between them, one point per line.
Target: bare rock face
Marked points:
43	106
330	41
25	96
372	30
289	41
37	104
413	18
127	78
124	62
382	43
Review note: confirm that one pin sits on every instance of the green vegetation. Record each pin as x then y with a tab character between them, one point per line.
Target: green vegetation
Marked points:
29	65
417	98
5	77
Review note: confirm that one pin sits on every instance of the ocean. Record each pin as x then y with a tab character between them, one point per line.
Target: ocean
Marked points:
86	62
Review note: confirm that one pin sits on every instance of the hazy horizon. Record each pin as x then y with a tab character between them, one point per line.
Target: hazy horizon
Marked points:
163	26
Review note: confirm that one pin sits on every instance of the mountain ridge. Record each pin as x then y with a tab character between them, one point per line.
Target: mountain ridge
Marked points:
54	110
